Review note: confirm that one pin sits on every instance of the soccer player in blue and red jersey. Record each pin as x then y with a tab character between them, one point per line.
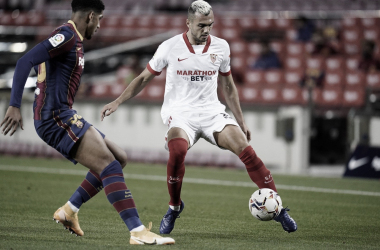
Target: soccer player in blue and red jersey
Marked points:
60	60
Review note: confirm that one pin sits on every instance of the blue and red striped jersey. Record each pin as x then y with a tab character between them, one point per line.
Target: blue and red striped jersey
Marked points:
59	77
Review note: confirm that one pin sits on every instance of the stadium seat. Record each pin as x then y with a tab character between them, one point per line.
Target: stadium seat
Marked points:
329	97
254	77
294	62
353	97
334	64
274	77
270	95
371	34
315	62
373	80
291	34
128	21
112	21
254	48
246	22
295	49
264	23
369	23
352	35
294	77
334	79
352	63
355	79
292	95
249	94
352	48
282	23
238	47
349	22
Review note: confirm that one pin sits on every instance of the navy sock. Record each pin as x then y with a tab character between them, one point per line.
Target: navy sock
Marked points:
90	186
119	195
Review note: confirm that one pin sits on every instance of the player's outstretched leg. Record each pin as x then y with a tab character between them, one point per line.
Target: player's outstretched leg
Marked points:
121	198
287	222
90	186
175	172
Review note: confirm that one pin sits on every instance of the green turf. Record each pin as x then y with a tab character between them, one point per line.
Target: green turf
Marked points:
215	217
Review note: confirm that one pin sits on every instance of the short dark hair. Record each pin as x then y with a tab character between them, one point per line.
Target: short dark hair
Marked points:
87	5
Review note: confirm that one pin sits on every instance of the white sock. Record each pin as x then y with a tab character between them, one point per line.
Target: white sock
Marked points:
138	229
74	208
175	208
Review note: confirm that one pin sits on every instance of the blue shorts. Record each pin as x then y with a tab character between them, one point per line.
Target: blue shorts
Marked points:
63	131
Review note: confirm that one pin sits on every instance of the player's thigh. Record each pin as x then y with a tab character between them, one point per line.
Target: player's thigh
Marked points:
92	152
176	132
231	138
118	152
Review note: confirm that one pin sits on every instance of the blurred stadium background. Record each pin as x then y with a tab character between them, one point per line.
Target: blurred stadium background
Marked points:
307	113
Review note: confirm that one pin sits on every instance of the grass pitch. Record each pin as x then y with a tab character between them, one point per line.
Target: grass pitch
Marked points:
216	214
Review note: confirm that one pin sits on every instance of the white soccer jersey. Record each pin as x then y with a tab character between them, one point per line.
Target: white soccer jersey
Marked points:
192	73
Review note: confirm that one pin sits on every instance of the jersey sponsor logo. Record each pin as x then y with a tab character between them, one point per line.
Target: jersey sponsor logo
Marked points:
75	120
355	163
213	57
81	62
179	60
196	75
227	116
57	40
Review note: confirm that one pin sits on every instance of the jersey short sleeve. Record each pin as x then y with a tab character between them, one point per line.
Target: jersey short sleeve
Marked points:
225	66
159	60
61	41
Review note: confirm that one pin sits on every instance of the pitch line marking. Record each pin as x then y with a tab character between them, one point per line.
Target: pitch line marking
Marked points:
188	180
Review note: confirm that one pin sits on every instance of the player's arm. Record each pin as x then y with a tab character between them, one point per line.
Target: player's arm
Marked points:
13	118
232	98
132	90
61	42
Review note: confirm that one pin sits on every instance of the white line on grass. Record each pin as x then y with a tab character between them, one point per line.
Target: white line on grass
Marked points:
188	180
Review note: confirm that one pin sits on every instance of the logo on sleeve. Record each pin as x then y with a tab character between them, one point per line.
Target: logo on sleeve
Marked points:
81	62
57	39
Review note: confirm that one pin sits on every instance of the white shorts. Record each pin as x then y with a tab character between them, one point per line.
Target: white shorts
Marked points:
199	124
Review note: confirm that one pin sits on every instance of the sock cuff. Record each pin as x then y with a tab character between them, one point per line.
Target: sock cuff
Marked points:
113	168
178	140
246	153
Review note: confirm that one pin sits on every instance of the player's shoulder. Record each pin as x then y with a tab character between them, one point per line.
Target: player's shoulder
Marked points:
219	41
172	41
64	29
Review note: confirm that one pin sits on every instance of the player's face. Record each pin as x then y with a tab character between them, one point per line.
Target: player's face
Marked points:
93	24
200	27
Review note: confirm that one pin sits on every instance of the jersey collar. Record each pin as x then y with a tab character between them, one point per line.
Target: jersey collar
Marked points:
75	28
190	47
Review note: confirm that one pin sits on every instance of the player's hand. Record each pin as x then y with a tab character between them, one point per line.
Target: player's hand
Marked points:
108	109
11	121
246	131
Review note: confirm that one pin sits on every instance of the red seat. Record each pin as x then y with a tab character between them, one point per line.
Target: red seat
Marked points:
291	95
353	97
283	23
270	95
334	64
238	47
274	77
329	97
351	35
355	79
295	49
128	21
369	22
263	23
254	77
246	22
291	34
254	48
249	94
293	78
334	79
373	80
352	48
371	34
294	62
350	22
352	63
315	62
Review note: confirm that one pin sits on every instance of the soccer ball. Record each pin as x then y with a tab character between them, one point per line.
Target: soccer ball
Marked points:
265	204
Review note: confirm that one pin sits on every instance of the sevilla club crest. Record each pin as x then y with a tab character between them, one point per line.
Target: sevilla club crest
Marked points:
213	57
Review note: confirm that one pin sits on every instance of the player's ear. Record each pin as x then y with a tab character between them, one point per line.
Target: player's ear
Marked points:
188	23
90	16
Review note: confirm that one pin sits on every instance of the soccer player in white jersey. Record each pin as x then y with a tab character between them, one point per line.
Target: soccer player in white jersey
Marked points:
191	109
